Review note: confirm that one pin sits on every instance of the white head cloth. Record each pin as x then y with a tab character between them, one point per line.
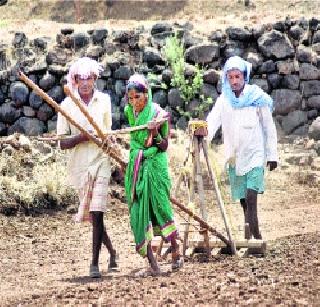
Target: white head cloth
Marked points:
83	67
235	62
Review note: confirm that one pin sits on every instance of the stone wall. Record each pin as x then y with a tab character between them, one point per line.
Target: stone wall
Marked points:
285	58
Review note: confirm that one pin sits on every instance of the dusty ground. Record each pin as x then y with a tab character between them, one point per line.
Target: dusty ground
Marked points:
44	260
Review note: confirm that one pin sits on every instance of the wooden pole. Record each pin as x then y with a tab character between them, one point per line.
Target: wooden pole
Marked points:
83	109
187	226
100	133
188	180
198	176
110	132
219	197
99	143
58	108
200	221
127	130
197	139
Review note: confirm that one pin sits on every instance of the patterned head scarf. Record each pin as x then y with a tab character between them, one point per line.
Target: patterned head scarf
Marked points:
235	62
137	82
83	67
252	95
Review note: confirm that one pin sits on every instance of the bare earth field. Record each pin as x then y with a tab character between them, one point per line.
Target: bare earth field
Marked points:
44	260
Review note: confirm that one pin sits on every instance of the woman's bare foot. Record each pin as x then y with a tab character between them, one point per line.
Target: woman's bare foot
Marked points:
152	260
177	260
155	271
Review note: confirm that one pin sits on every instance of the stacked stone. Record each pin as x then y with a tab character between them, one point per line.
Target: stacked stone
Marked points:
286	62
285	58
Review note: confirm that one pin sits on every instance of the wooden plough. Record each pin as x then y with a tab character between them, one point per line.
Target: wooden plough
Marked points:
197	139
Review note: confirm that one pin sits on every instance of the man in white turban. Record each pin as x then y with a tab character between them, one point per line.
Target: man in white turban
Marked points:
244	112
88	167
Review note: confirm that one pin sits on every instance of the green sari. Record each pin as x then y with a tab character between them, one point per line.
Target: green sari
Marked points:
148	184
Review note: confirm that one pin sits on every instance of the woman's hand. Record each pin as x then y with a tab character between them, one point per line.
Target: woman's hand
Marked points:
153	127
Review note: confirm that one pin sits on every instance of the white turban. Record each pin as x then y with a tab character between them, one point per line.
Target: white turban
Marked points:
83	67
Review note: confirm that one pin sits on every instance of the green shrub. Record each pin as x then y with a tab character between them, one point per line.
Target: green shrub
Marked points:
189	88
174	53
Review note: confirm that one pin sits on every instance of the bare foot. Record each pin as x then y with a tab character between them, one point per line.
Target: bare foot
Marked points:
154	267
177	260
148	272
112	262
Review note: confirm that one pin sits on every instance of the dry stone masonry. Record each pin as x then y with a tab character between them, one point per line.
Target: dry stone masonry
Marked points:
285	58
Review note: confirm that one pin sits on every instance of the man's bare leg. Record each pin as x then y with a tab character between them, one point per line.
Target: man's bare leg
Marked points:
107	242
97	235
247	234
251	200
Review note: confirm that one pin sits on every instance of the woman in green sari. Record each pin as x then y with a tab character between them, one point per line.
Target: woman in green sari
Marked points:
147	181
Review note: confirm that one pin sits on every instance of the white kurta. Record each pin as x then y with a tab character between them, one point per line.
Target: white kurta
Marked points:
249	134
86	158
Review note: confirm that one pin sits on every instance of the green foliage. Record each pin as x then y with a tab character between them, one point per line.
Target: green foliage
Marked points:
174	53
189	88
155	80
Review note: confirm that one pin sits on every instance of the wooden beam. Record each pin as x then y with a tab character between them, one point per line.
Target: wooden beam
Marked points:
220	244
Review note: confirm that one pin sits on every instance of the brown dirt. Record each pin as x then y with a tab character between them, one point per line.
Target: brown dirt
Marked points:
44	260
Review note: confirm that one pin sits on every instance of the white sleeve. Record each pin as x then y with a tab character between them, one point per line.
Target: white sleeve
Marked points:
214	119
63	126
270	132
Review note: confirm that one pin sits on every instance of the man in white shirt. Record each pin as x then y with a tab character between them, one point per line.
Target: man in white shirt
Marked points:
244	112
88	167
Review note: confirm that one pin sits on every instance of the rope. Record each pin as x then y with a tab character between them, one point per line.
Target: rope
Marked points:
179	212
